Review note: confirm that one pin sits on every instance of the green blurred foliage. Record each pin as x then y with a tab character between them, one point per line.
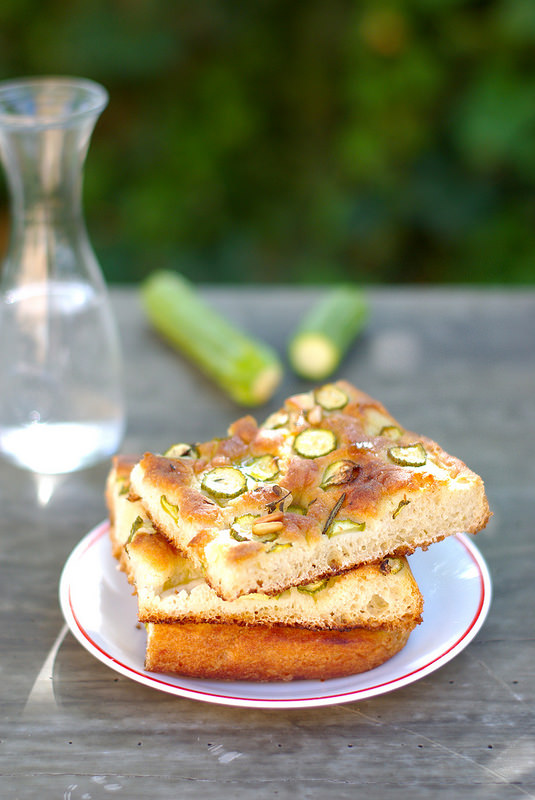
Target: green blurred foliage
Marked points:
381	141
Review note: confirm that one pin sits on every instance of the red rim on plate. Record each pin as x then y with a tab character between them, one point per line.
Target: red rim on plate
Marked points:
271	695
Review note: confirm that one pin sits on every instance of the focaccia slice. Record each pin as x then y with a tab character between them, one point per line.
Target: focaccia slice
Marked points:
329	482
121	511
339	626
170	589
227	651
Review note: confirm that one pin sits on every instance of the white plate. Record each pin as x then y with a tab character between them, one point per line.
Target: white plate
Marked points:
100	610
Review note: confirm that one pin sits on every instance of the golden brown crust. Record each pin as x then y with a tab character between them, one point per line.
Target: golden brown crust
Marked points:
374	478
166	473
154	549
442	494
268	653
118	479
199	619
172	477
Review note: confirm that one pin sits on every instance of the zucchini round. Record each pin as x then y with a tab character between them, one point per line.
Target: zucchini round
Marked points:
224	482
339	472
344	526
181	450
170	508
391	431
314	442
412	455
263	468
313	588
330	397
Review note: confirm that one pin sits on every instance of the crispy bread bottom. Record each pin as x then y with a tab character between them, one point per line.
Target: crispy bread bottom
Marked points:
268	653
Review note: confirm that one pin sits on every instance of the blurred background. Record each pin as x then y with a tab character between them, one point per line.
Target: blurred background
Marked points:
304	141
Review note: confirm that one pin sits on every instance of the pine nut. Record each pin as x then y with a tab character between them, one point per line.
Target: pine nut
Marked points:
315	415
276	516
263	528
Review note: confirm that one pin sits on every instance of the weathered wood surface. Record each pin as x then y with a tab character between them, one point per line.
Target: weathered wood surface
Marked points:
458	365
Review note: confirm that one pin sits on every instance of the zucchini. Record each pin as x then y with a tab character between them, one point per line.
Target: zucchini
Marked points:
401	504
224	482
245	520
344	526
391	566
136	525
339	472
235	535
241	527
391	431
324	334
123	485
314	442
248	370
262	468
313	588
296	510
278	546
181	450
330	397
413	455
276	420
170	508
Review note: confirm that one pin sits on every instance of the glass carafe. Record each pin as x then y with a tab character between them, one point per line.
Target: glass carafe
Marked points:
61	404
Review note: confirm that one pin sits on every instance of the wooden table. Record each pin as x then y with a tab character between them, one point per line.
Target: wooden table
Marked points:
458	365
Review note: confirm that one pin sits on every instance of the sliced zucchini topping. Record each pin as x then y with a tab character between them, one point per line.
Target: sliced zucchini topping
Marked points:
224	482
270	536
241	527
263	468
390	566
400	506
278	546
171	509
339	472
181	450
276	420
331	398
239	538
413	455
344	526
267	528
296	510
136	525
123	486
314	442
245	521
391	431
313	588
266	536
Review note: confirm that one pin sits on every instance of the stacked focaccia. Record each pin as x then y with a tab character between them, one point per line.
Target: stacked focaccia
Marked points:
278	552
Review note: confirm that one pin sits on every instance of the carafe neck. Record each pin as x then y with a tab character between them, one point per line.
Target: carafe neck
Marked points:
44	170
